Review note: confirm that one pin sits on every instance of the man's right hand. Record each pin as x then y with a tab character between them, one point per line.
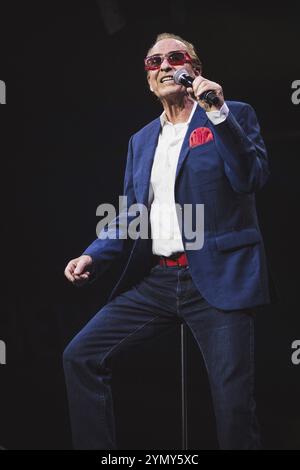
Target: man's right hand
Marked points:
78	270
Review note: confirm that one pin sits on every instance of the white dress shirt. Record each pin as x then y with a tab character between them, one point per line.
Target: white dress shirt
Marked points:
166	235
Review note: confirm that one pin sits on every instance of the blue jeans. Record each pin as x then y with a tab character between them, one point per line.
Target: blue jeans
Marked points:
167	294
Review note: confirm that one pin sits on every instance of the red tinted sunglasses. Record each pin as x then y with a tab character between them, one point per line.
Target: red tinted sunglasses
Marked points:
153	62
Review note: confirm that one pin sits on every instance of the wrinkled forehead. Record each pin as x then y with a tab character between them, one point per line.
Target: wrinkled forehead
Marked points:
166	45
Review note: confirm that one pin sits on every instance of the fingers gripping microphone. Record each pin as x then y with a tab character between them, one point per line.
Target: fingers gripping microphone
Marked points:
181	77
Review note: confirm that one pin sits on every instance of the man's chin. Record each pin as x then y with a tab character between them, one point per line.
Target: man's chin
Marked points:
171	91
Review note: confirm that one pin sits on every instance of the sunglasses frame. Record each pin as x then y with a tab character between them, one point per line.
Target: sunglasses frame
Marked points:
186	59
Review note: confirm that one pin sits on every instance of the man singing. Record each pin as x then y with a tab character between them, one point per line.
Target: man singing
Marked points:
194	153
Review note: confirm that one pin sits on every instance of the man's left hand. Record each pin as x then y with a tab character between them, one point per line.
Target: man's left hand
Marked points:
200	85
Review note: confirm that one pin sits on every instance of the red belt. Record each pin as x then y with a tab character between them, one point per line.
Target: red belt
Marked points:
178	260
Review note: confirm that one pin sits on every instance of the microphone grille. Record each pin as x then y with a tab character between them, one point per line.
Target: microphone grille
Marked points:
178	75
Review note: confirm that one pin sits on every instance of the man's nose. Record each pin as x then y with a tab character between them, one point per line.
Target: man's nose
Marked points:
165	64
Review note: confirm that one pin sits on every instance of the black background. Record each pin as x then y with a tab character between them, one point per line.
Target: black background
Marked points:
76	91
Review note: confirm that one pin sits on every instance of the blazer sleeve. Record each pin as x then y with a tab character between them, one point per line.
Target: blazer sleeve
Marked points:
111	241
242	148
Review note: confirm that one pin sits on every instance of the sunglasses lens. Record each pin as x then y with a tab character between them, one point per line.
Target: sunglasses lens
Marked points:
177	58
153	61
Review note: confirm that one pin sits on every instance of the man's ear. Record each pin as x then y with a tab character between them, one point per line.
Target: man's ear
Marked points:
148	78
197	72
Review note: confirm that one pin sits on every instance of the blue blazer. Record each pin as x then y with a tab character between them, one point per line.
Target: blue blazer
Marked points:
230	269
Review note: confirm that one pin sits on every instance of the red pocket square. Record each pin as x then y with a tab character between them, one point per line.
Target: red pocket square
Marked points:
200	136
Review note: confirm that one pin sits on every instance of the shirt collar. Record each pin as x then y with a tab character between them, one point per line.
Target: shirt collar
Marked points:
164	120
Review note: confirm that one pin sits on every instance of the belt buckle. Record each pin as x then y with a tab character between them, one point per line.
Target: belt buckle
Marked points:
163	260
177	260
173	258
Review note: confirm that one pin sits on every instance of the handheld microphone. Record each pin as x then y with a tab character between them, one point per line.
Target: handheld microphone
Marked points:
181	77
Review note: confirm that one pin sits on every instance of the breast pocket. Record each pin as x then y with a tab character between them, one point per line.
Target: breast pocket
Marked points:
204	165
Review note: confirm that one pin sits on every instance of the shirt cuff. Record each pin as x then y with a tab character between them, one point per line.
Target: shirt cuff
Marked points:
216	117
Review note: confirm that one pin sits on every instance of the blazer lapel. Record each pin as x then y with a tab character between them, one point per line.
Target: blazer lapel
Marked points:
143	168
199	119
148	143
